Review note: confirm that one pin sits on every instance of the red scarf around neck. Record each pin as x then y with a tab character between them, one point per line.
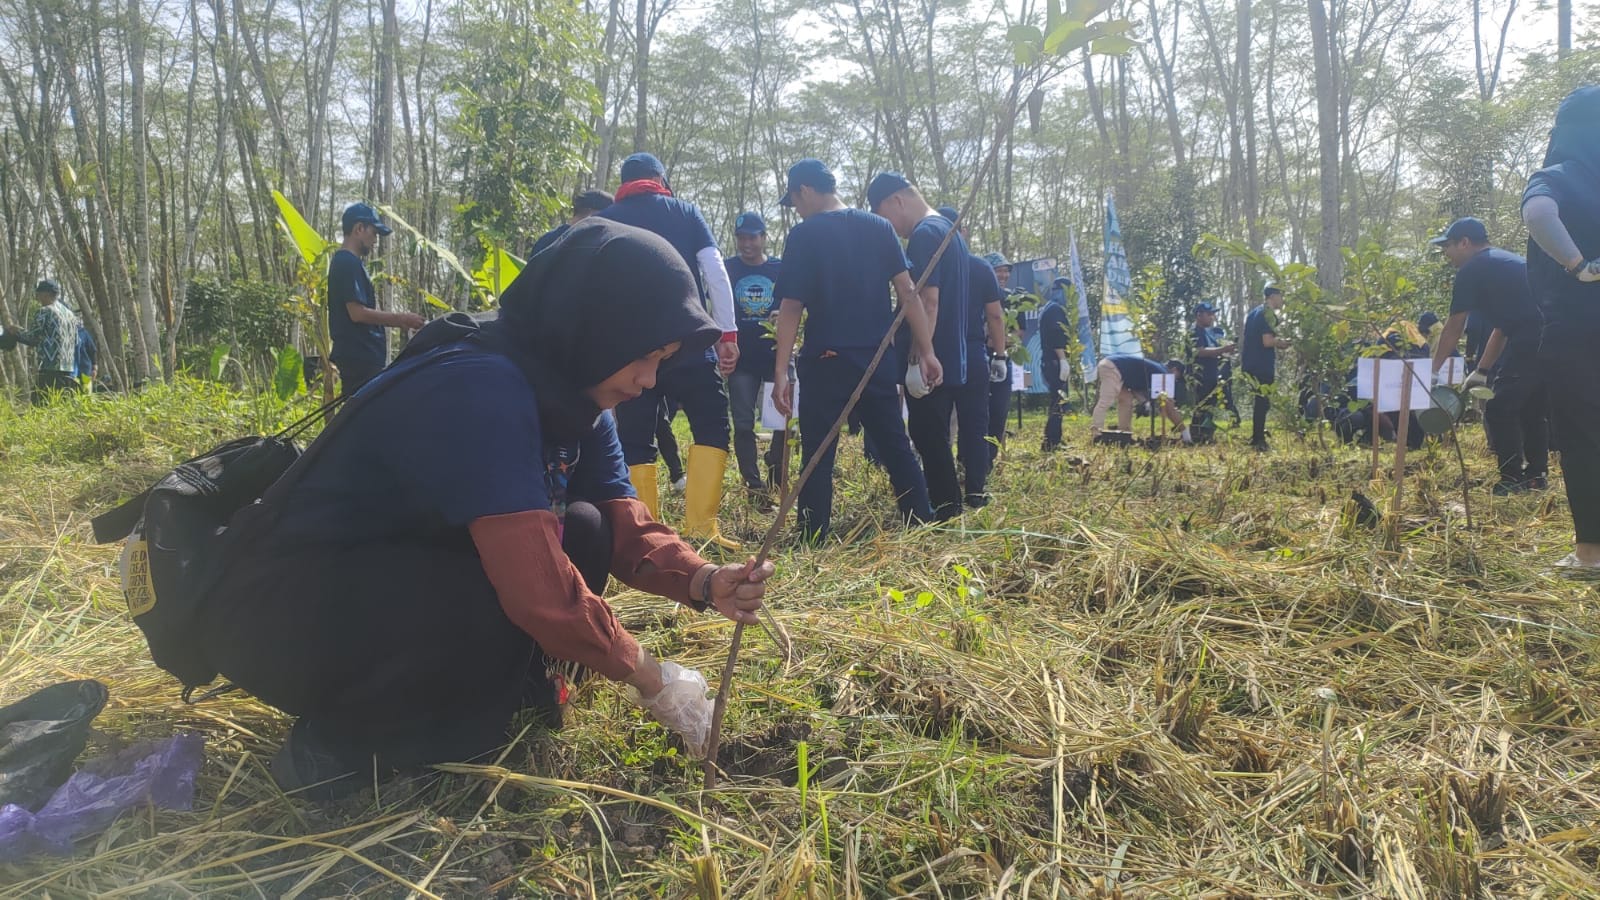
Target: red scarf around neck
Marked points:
642	186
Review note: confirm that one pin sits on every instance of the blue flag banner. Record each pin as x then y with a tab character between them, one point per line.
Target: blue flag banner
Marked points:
1116	324
1037	277
1085	333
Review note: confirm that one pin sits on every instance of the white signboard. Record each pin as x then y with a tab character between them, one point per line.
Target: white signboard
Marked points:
1454	371
1164	385
1019	377
1392	373
770	417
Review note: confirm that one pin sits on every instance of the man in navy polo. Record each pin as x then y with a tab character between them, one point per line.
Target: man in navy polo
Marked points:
645	200
753	274
354	321
584	205
944	301
987	368
1259	359
839	265
1209	347
1494	283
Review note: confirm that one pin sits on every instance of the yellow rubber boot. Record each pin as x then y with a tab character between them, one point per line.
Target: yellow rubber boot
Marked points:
703	497
644	484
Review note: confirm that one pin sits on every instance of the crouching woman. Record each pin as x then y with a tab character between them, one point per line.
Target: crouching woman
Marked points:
425	576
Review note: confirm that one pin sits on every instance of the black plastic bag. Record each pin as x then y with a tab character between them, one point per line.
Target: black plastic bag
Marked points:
41	737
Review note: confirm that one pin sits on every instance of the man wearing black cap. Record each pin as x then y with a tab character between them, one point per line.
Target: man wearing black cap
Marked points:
1494	282
1054	341
944	300
354	321
992	268
1259	359
838	263
584	205
753	274
1209	346
645	200
54	334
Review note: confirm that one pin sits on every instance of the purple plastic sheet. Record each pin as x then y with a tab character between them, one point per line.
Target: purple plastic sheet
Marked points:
157	772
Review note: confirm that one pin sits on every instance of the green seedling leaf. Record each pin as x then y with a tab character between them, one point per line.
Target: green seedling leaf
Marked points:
1482	393
306	239
290	376
1435	421
924	598
1084	10
1027	43
1061	33
1114	45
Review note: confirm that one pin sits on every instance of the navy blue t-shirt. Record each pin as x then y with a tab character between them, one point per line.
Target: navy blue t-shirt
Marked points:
1053	329
983	290
754	305
1136	371
442	447
353	344
839	264
953	277
1571	307
1209	368
549	237
678	221
1495	284
1258	361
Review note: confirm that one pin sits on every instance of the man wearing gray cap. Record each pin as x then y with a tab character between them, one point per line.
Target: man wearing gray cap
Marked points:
54	334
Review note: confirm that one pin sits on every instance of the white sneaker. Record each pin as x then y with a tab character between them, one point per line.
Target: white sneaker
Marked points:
1571	567
681	484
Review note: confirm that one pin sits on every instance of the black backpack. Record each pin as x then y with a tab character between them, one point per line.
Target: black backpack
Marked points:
176	530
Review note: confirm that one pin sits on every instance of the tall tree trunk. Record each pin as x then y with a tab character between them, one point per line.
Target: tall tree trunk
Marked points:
1330	261
641	74
143	287
1563	28
1247	102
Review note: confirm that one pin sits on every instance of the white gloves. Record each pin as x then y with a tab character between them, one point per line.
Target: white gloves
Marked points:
915	385
682	705
1477	379
997	370
1589	271
1064	370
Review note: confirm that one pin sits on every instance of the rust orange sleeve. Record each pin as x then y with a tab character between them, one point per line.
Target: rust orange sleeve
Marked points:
647	555
543	593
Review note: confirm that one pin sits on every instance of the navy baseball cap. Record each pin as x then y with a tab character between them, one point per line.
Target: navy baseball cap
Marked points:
641	166
1204	307
47	287
363	212
591	201
885	185
749	223
1271	289
811	173
1467	227
995	260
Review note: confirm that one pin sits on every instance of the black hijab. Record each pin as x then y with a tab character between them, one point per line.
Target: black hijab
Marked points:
600	297
1576	135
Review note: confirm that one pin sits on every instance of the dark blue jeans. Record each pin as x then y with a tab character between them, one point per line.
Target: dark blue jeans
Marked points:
697	389
825	386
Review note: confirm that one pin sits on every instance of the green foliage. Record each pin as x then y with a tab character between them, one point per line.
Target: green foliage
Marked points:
289	377
240	320
521	118
1068	31
311	244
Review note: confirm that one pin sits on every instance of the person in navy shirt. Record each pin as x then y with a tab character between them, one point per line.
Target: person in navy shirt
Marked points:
1124	382
645	201
839	265
1561	207
1259	359
1209	347
945	286
451	534
1054	341
753	274
354	321
1494	283
996	267
584	205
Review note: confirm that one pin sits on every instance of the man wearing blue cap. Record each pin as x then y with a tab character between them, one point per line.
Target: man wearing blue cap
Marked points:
1494	283
354	321
753	274
1208	347
945	303
838	264
54	334
1259	359
645	200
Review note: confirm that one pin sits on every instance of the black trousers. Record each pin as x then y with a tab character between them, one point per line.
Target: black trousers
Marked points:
352	375
667	442
999	412
1058	404
51	383
697	389
396	650
1575	416
929	426
972	426
1519	416
1261	405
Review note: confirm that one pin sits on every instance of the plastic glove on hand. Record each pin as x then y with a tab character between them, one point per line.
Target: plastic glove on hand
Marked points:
682	705
997	370
1589	271
1063	370
1475	380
